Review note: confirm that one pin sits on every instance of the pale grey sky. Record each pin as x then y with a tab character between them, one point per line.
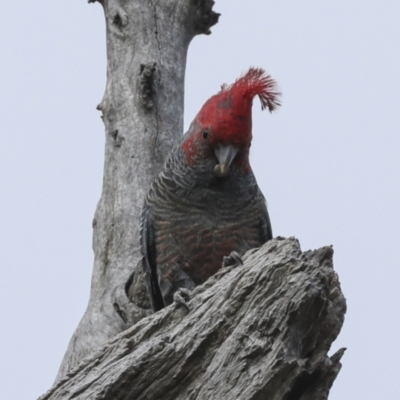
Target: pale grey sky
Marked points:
327	161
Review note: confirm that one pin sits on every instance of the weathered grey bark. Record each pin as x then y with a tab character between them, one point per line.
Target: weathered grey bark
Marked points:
258	331
142	108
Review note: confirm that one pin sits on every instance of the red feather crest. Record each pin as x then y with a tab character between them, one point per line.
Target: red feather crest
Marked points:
226	116
256	83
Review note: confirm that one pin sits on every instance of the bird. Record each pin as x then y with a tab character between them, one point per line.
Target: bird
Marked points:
205	204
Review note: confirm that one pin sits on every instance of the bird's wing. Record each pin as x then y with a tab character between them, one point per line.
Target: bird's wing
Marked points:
266	228
148	251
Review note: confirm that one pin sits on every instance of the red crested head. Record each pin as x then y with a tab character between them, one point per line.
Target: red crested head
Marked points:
225	118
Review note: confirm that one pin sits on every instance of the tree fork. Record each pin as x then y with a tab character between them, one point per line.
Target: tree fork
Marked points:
142	110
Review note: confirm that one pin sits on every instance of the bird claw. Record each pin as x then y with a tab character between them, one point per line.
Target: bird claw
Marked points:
233	260
181	296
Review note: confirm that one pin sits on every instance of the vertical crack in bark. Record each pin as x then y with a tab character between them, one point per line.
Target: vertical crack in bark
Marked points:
146	86
156	149
120	312
155	24
149	81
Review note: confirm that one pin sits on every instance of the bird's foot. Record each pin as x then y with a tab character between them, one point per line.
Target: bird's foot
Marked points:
233	260
181	296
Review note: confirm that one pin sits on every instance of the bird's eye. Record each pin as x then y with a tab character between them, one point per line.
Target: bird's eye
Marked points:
205	134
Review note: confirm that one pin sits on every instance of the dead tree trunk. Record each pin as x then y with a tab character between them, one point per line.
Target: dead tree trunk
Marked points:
253	332
258	331
142	109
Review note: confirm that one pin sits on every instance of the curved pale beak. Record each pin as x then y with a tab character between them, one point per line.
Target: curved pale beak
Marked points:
225	155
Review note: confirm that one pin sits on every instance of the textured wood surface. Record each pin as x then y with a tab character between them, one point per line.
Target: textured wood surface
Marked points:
142	110
258	331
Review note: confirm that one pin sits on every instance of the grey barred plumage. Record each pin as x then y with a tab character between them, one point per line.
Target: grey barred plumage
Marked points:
206	202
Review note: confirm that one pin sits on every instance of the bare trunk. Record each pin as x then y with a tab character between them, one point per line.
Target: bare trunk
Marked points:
262	330
142	108
259	331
